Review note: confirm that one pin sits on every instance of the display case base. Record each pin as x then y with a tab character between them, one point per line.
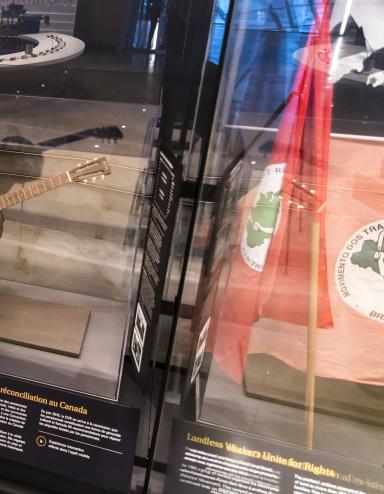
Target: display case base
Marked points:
49	326
96	370
268	378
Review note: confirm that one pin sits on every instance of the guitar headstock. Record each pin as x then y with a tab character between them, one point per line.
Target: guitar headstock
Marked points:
90	170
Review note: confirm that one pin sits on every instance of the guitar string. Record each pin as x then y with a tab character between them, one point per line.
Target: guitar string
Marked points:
32	190
93	185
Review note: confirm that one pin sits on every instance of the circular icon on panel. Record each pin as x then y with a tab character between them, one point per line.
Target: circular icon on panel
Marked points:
41	441
359	271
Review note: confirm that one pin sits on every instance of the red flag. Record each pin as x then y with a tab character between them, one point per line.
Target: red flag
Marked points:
270	269
352	350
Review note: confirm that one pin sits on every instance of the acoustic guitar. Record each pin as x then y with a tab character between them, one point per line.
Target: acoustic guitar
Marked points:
88	171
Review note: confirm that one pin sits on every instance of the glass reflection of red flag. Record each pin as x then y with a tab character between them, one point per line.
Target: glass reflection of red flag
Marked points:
270	272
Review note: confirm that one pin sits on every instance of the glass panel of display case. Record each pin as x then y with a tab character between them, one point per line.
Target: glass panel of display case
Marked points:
296	298
285	267
75	150
67	254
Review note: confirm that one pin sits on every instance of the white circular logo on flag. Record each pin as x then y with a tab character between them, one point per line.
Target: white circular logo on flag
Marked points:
263	218
359	273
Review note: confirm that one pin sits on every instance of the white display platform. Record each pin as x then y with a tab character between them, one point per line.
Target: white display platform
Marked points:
52	48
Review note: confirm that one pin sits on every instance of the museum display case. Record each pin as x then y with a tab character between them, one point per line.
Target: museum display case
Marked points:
78	133
191	247
74	184
68	254
283	388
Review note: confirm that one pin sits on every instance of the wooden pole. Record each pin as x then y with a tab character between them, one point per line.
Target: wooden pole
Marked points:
312	331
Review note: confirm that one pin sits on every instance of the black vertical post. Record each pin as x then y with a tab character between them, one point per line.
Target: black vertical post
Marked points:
203	157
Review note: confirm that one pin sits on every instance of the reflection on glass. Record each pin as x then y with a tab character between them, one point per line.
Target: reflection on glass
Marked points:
78	119
296	319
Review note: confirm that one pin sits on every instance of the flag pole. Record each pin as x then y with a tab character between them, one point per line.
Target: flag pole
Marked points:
312	330
323	118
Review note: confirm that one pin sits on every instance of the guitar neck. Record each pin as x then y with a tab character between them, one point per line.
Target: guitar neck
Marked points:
33	190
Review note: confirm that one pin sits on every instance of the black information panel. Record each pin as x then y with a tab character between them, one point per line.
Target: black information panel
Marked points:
74	436
155	259
207	460
213	261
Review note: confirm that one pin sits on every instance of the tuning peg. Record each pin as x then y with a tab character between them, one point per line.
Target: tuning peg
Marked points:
102	177
86	181
93	179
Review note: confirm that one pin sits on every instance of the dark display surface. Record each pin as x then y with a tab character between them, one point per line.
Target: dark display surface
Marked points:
74	436
10	44
208	460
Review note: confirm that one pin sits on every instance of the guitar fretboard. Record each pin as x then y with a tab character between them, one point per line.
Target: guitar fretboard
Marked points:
32	190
